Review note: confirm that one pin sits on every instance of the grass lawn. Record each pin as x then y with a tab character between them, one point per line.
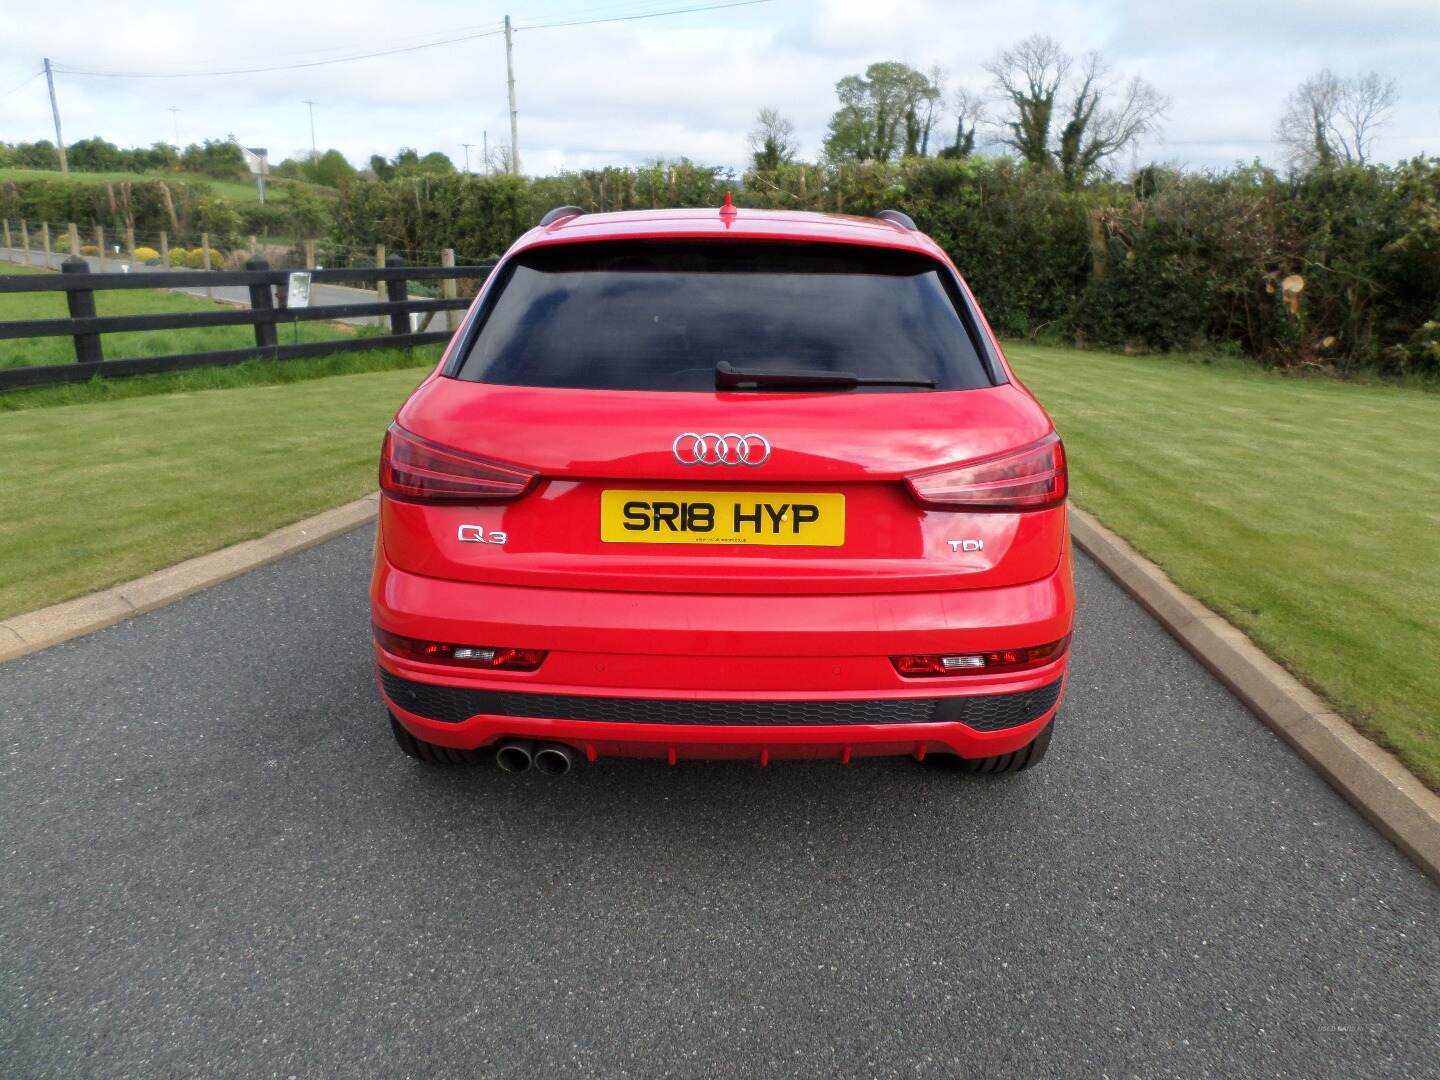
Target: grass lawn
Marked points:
239	191
1306	511
92	495
23	352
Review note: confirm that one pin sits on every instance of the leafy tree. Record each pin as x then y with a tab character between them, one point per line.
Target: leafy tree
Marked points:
1100	118
886	113
161	157
772	142
37	155
97	155
220	158
290	169
381	167
330	169
1329	119
436	163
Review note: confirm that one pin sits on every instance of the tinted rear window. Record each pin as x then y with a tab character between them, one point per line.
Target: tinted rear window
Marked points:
659	316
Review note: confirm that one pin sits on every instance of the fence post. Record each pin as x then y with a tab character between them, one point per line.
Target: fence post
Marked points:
205	261
253	247
449	287
7	233
309	254
73	231
100	243
164	249
45	240
262	300
130	242
82	306
380	290
25	239
399	290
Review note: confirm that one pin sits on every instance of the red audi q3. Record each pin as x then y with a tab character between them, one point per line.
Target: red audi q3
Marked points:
700	484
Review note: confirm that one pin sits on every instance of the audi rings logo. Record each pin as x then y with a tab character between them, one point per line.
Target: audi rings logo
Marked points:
708	448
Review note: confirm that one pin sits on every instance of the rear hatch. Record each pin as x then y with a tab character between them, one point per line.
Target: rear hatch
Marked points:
724	417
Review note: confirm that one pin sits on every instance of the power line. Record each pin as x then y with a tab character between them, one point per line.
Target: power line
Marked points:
33	76
278	67
492	31
646	15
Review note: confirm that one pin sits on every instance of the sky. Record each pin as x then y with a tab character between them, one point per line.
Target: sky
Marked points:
628	92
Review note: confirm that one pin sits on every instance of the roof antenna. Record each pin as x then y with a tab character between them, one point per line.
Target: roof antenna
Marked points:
728	210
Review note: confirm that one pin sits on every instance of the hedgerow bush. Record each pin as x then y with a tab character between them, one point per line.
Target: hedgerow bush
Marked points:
144	205
1176	261
147	254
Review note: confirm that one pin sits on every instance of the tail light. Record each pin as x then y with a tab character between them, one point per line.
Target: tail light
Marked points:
489	657
987	663
423	471
1030	479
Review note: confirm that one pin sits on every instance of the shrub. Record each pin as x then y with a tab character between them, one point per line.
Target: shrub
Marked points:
195	260
89	249
147	254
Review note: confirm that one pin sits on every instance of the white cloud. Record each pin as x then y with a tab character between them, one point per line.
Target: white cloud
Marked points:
690	85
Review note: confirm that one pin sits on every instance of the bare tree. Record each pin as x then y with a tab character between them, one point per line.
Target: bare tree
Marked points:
1365	104
1096	130
1101	116
969	110
497	160
772	142
1329	119
1029	77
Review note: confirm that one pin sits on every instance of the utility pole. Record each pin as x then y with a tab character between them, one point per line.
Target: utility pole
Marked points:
175	119
55	108
510	80
467	146
313	152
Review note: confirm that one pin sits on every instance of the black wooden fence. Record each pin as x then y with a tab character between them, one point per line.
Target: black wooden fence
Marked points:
86	328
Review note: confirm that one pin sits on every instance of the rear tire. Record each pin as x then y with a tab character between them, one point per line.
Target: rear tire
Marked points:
427	752
1028	756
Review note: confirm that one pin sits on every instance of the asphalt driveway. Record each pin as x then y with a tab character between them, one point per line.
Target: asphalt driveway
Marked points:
215	863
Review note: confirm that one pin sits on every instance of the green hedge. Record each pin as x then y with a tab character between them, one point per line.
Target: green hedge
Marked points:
1176	262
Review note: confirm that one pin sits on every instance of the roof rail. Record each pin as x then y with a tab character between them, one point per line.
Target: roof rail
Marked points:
561	212
895	217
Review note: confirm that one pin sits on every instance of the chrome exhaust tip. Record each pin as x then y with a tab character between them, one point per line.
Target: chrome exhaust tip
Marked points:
515	755
554	759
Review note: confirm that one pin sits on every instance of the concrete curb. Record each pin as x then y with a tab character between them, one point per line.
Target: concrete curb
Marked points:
1372	779
36	630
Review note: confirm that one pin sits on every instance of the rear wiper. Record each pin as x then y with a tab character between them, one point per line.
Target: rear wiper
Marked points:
730	378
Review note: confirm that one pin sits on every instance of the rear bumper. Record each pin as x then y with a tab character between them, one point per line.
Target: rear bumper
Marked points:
685	675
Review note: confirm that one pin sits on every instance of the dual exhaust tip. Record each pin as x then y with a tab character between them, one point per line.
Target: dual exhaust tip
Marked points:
518	755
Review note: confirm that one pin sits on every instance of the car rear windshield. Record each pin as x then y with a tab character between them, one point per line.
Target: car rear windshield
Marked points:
660	316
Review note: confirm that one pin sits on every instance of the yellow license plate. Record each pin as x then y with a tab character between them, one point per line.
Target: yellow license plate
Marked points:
711	517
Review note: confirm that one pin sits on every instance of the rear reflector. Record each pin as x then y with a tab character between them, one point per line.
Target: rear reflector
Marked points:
418	470
490	657
1030	479
988	663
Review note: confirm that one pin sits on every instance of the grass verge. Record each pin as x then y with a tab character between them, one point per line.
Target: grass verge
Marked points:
97	494
238	191
24	352
1306	511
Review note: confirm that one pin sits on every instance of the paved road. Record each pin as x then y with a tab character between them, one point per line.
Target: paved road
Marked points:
216	864
320	293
